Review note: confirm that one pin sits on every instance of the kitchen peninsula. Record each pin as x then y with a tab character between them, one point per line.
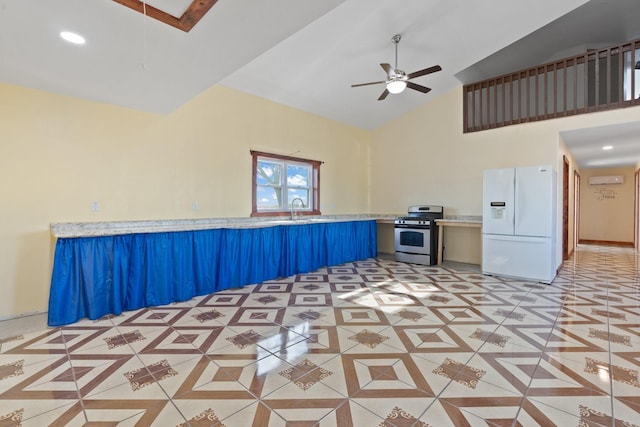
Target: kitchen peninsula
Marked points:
109	267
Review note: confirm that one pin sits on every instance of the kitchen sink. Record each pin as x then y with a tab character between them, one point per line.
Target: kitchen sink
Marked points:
276	222
288	221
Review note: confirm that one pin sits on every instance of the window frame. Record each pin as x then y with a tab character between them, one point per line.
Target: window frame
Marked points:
314	188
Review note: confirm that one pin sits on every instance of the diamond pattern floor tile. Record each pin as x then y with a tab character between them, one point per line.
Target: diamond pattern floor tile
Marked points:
375	342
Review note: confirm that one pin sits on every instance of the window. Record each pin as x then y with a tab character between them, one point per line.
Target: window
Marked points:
279	181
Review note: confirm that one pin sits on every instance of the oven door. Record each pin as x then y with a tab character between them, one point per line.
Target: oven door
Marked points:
412	239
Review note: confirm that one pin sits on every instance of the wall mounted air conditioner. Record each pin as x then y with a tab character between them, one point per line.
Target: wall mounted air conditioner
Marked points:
604	180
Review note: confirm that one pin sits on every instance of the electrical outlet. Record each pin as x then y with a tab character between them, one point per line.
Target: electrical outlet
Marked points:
95	206
195	206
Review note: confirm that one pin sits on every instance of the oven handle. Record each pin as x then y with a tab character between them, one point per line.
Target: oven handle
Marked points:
415	227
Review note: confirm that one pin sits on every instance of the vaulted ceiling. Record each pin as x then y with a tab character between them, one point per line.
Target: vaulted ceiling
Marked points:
305	54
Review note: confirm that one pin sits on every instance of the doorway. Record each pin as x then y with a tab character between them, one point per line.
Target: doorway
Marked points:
565	208
636	205
576	208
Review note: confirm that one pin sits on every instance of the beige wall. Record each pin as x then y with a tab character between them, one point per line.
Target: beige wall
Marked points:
606	211
60	154
423	157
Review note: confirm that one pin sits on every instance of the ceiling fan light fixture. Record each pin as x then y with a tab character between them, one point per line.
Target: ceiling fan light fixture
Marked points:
397	80
396	86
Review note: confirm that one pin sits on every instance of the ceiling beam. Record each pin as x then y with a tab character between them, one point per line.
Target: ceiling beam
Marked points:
194	13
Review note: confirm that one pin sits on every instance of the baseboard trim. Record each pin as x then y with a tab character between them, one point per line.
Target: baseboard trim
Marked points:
20	316
605	243
13	326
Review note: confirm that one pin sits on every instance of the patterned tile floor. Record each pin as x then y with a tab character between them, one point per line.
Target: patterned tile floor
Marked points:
371	343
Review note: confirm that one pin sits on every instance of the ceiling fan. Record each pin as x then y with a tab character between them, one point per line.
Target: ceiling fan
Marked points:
398	80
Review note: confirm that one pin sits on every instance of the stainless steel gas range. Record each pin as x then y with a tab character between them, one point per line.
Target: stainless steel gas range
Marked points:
416	235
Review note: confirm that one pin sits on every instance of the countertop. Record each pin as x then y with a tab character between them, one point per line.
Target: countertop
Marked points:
94	229
452	219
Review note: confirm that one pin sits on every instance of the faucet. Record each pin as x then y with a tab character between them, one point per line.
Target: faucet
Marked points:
294	215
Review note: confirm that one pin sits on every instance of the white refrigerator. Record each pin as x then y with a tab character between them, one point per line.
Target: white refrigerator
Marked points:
518	223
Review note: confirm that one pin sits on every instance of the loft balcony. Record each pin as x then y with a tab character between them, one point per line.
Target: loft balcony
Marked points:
601	79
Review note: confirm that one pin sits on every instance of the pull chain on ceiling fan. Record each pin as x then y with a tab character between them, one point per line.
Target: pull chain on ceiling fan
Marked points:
397	80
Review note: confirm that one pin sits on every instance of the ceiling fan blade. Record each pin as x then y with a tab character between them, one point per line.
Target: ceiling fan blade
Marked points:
424	72
388	69
419	88
384	95
367	84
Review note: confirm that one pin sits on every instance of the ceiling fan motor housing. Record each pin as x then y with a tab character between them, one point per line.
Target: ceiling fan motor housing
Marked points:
398	75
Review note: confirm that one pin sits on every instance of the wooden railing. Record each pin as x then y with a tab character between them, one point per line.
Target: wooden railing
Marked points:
601	79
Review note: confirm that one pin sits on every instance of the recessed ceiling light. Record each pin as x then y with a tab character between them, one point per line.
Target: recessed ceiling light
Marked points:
607	147
72	37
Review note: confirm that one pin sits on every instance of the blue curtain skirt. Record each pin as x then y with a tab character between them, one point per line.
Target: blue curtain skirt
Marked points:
96	276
